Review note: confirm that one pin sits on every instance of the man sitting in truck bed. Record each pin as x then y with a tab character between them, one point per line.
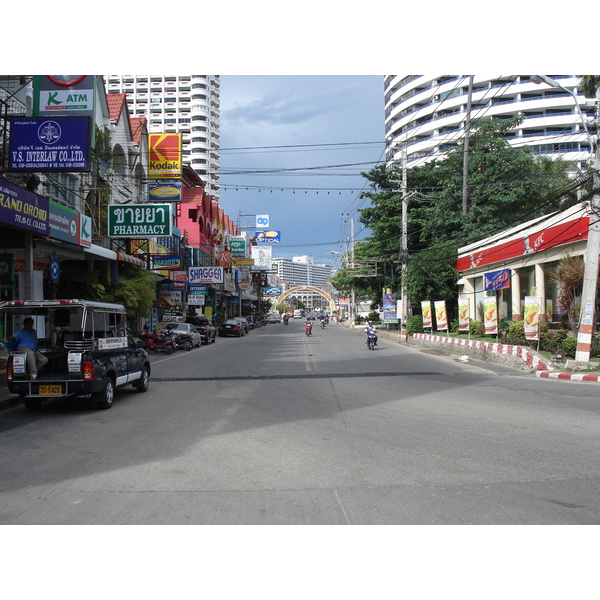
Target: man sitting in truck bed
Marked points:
27	341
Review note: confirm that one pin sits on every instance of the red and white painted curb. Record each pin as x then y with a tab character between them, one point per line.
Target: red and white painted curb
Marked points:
531	359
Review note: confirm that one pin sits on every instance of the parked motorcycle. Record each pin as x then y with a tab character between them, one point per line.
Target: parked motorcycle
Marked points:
157	342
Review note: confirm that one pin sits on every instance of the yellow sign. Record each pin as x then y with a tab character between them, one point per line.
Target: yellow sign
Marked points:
239	262
165	156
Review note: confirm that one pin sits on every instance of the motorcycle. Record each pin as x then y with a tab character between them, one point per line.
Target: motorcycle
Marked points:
157	342
308	329
371	341
183	341
285	320
322	323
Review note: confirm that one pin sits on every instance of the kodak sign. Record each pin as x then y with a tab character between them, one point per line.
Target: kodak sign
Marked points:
165	155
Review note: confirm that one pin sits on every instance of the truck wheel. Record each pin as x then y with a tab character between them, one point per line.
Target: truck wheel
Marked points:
143	382
104	399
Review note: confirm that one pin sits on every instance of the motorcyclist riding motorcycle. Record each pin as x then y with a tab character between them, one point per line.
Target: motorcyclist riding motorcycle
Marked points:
308	328
371	335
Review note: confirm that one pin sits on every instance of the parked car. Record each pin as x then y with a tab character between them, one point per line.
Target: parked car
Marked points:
232	327
183	328
205	326
273	318
244	322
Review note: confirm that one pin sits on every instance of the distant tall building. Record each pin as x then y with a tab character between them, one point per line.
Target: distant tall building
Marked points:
301	270
186	104
425	114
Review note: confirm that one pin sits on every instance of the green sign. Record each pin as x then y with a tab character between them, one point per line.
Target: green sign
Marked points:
238	247
139	220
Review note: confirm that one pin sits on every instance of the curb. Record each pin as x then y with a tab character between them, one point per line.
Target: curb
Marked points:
568	376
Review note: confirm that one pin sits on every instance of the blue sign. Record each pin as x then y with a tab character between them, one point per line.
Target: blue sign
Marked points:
23	209
272	291
268	237
497	280
58	144
54	270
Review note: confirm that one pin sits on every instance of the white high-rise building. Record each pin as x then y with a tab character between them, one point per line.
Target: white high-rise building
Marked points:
302	270
425	114
186	104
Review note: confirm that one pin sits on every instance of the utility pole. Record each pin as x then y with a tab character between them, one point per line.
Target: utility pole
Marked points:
466	148
590	274
404	241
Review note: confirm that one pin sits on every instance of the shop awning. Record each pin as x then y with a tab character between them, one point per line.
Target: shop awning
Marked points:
130	259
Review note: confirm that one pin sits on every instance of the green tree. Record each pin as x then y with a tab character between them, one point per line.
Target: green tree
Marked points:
506	186
590	84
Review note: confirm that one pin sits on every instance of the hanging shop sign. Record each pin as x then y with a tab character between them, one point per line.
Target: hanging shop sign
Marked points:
58	144
205	275
262	256
166	261
267	237
272	291
161	192
164	156
238	246
140	220
23	209
63	222
85	231
497	280
262	221
63	95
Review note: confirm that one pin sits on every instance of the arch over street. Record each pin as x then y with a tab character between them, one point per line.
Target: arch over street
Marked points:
307	288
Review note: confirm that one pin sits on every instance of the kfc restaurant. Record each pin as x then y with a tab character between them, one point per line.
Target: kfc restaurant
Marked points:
518	262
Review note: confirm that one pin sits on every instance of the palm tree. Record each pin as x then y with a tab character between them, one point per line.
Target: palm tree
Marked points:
590	85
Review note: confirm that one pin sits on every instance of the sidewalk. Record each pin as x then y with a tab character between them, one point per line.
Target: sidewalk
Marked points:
516	356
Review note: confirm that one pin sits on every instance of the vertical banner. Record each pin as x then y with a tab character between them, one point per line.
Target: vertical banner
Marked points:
426	311
389	308
549	309
464	317
490	312
531	319
440	315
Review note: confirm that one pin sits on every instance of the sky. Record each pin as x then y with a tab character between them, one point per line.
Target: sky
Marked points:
293	148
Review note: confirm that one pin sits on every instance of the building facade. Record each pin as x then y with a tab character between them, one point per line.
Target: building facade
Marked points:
186	104
425	114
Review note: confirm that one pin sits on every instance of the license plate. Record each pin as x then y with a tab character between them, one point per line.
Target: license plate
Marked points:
50	390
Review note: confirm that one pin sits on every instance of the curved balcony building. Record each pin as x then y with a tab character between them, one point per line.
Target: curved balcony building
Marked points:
425	115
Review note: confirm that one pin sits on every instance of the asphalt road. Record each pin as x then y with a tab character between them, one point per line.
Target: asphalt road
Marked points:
277	428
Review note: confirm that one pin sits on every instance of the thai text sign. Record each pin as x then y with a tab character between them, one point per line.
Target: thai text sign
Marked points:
140	220
59	144
63	222
205	275
63	95
497	280
23	209
164	155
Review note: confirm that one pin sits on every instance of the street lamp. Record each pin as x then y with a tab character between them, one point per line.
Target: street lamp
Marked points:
590	274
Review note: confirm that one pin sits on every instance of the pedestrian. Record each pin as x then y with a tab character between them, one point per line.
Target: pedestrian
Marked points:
27	341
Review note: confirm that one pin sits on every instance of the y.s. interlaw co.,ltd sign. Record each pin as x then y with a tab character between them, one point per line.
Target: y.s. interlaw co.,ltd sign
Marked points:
57	144
139	220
